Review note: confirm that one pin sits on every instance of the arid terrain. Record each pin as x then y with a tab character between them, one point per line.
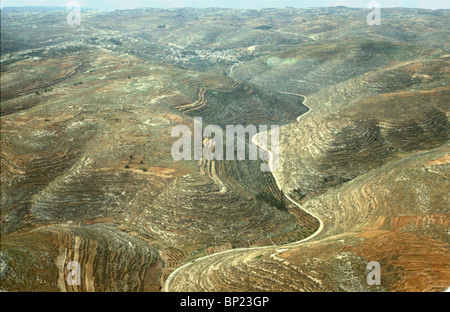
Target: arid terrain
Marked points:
87	174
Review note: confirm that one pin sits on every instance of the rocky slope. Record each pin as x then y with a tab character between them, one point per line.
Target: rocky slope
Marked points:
87	173
96	145
396	215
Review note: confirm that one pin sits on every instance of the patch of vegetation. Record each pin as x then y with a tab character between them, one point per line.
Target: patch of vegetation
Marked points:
115	41
263	27
271	200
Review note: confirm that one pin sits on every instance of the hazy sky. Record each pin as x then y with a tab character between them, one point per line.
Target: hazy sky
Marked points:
130	4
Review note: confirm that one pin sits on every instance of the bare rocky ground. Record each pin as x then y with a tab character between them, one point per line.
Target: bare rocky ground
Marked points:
87	173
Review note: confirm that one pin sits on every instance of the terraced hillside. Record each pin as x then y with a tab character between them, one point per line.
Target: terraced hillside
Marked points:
371	161
87	173
110	259
364	122
395	220
97	148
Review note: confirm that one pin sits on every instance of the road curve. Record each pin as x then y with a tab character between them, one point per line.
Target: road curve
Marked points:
255	141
